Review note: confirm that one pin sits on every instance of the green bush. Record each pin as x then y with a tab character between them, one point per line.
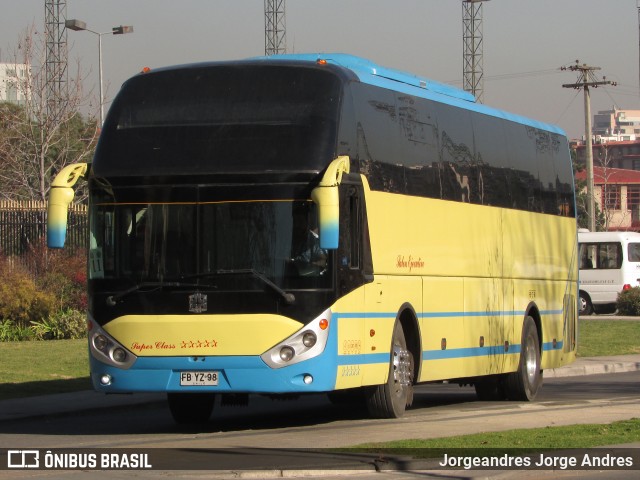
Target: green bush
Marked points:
61	273
62	325
43	294
628	302
20	299
10	332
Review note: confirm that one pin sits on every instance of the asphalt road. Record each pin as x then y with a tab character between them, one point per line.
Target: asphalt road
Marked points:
235	437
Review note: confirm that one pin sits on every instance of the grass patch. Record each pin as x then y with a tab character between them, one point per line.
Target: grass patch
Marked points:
571	436
597	338
41	368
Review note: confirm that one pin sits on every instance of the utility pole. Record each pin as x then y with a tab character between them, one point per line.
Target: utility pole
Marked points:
472	70
587	79
275	40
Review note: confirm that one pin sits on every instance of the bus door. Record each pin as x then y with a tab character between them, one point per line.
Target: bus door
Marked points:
352	274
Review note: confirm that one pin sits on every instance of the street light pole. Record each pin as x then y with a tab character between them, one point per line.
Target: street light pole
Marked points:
100	77
79	25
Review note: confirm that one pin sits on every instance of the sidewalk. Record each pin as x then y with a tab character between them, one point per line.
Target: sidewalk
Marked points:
75	402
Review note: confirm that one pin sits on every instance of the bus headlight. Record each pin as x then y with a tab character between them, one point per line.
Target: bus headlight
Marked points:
100	342
106	349
287	353
309	339
307	343
119	355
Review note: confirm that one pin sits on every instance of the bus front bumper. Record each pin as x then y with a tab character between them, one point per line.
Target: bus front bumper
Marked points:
240	374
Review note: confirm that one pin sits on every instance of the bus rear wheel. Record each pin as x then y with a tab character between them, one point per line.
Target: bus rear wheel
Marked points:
390	399
527	380
190	408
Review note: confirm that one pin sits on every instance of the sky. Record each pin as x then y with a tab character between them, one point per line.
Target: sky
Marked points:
525	43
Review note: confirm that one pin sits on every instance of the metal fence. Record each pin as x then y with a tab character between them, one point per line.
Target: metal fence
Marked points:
23	227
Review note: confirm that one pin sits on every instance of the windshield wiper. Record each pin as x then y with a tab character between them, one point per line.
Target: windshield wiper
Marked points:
289	298
112	300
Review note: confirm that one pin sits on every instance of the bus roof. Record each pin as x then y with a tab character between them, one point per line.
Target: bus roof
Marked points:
374	74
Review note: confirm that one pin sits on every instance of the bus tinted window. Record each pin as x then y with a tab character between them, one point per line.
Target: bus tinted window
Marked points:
221	119
415	146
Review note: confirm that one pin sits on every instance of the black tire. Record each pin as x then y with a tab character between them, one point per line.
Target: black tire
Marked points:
190	408
390	399
585	307
527	380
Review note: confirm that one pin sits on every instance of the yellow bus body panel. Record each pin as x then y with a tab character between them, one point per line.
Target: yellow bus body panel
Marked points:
476	271
188	335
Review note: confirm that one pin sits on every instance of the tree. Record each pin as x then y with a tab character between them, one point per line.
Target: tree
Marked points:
35	144
582	200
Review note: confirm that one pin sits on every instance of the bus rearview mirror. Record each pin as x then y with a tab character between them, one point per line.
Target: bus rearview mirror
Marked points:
327	200
60	197
59	200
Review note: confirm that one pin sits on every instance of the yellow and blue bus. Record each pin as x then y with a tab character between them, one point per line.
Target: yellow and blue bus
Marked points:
318	223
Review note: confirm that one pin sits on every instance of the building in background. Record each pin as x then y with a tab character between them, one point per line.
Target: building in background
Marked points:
617	195
611	154
14	82
616	125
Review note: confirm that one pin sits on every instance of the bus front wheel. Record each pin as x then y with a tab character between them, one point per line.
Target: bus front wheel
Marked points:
190	408
527	380
390	399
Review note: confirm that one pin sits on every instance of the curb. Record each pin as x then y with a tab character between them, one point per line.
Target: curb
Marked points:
596	366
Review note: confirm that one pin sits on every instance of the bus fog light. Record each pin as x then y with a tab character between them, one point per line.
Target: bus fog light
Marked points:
286	353
308	379
309	339
119	355
105	380
100	342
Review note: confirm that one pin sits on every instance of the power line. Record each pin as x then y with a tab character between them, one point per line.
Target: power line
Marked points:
514	75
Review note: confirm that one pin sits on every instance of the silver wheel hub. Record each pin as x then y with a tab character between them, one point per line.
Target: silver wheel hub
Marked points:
531	361
402	373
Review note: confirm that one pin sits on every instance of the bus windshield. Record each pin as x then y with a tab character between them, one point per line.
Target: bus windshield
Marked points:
247	243
222	119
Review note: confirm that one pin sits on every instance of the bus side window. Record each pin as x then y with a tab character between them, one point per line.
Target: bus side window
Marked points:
354	207
350	232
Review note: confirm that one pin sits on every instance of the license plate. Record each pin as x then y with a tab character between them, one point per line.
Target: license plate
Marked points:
197	379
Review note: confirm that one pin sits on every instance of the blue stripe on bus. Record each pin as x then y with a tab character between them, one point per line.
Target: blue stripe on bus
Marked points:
380	358
369	359
443	314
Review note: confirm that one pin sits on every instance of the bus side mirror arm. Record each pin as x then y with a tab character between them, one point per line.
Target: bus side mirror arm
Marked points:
60	197
326	197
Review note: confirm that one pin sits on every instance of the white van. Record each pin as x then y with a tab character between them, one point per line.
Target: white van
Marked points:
609	263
